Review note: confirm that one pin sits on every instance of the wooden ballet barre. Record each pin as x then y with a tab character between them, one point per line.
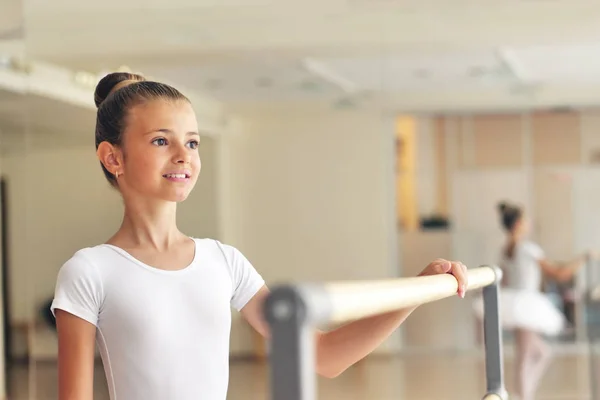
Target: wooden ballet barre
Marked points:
293	311
355	300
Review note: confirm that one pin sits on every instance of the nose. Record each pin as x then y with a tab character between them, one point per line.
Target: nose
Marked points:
182	155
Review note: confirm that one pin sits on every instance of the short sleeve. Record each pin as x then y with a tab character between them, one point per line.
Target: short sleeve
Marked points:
534	251
78	289
246	280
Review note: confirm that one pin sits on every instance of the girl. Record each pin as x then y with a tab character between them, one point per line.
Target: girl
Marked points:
157	301
529	311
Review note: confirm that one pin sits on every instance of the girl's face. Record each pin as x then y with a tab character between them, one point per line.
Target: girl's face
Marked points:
522	226
160	158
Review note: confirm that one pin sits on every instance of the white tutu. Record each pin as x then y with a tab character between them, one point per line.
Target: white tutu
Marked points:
526	310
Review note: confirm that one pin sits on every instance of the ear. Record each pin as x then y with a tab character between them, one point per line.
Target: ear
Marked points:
110	156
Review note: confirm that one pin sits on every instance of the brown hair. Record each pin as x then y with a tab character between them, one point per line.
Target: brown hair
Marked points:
115	95
509	215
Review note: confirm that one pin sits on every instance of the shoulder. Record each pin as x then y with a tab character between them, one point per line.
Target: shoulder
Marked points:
89	265
532	249
79	286
209	246
81	263
234	260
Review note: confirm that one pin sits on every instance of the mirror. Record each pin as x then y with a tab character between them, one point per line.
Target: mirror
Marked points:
15	320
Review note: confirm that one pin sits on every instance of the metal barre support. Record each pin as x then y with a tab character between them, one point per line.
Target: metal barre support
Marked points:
291	317
494	365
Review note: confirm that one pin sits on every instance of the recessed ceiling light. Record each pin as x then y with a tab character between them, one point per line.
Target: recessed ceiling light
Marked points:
344	103
477	71
422	73
5	61
264	82
214	84
309	85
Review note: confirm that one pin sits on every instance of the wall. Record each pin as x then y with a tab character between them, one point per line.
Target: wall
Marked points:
536	141
311	196
426	167
431	326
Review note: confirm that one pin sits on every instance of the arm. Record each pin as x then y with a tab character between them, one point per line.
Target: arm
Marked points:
342	347
561	273
76	341
345	345
505	277
76	305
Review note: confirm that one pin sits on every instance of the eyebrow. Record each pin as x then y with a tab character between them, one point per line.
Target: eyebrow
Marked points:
170	132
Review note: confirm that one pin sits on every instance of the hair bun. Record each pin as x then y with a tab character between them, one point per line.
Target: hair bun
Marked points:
503	206
107	84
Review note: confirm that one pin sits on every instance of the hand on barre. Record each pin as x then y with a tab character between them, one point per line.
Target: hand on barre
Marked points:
455	268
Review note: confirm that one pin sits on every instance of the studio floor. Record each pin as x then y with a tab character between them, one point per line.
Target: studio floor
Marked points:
414	377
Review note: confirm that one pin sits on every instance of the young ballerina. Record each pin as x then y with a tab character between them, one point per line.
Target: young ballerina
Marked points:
528	310
156	301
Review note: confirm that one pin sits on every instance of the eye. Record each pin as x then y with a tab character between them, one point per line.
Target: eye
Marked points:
193	144
160	141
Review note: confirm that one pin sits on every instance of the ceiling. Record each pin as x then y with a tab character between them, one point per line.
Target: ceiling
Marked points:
400	55
158	29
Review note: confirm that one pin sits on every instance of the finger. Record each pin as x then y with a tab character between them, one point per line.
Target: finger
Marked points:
466	272
443	267
437	266
460	273
440	267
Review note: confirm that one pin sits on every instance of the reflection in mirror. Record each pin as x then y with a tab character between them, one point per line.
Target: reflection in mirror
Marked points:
14	284
16	281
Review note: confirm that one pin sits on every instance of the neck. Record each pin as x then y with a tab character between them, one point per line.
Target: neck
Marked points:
515	237
149	224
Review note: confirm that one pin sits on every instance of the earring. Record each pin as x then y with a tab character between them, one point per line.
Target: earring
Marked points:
116	174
